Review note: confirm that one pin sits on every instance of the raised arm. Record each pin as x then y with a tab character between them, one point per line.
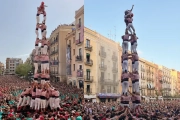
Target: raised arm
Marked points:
132	8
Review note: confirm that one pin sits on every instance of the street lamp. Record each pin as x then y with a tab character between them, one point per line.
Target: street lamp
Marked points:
30	75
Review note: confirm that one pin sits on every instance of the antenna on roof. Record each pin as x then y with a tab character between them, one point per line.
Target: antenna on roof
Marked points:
115	33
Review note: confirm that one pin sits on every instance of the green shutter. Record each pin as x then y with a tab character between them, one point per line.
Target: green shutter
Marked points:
87	54
88	70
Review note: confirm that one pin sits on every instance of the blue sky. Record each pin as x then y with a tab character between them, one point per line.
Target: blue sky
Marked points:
18	21
156	23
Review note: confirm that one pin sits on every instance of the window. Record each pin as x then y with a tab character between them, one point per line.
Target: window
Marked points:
69	42
114	77
87	43
87	57
102	62
73	39
88	88
114	64
80	51
108	75
102	75
102	48
80	67
79	22
74	67
54	48
73	51
79	37
88	74
108	89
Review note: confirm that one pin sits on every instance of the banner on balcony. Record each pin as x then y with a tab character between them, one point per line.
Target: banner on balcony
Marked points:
68	60
108	95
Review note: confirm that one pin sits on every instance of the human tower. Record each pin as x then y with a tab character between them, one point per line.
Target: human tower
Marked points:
41	94
130	36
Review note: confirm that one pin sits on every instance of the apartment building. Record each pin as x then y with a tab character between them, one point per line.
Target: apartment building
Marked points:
174	82
178	80
142	77
166	81
57	52
11	64
156	80
74	51
150	79
105	68
1	68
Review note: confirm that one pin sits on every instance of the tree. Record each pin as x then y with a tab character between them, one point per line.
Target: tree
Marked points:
23	69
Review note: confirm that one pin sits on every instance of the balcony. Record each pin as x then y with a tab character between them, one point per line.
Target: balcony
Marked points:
151	88
114	58
142	69
78	25
89	62
88	48
79	58
54	63
103	54
56	51
88	91
114	70
53	72
80	73
102	67
108	81
88	78
143	87
78	42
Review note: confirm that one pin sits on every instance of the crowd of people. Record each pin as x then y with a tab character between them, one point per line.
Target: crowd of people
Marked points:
13	89
153	110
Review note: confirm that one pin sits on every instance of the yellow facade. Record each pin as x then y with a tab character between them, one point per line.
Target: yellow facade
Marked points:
150	89
58	52
174	82
105	71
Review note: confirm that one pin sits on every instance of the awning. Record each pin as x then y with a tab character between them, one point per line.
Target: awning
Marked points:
108	95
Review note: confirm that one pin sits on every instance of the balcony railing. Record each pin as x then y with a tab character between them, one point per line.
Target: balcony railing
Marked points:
53	72
88	91
79	58
88	78
102	67
88	47
108	81
115	70
54	63
79	73
78	25
78	42
103	54
89	62
114	58
150	88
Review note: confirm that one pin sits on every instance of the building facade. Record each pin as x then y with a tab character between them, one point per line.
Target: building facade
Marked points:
142	77
74	51
178	82
104	70
11	64
1	68
174	83
150	79
57	52
166	81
